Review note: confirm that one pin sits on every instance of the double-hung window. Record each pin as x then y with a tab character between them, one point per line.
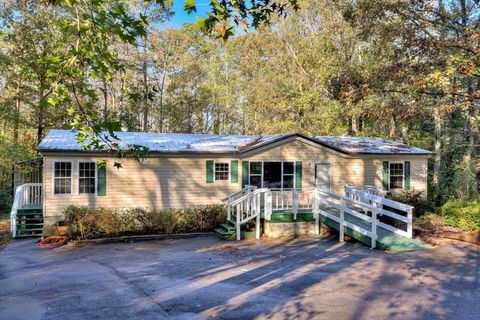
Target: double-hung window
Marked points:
62	177
221	171
396	175
288	177
87	176
256	171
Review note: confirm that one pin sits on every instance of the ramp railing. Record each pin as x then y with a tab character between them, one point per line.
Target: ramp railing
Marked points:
324	201
395	210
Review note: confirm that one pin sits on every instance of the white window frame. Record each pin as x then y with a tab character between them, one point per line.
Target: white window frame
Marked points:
78	177
215	171
72	177
390	175
282	174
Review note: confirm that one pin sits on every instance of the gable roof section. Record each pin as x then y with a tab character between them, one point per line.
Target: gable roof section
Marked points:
367	145
66	141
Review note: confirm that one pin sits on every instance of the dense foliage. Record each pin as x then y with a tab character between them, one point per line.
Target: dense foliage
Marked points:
89	223
400	69
464	215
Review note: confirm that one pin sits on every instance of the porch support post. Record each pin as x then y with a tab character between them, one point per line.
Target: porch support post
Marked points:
229	213
295	204
268	205
238	222
257	227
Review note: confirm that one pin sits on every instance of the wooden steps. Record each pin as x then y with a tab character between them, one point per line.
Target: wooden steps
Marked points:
29	222
226	231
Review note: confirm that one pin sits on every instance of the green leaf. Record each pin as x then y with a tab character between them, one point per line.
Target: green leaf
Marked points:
189	6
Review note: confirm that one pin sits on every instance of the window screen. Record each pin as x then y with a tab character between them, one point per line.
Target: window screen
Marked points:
62	178
288	176
221	171
396	175
86	177
256	174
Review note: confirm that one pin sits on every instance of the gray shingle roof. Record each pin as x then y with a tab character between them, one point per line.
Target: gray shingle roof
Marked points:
66	140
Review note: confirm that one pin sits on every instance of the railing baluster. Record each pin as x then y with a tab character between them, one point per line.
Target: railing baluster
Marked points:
342	218
374	229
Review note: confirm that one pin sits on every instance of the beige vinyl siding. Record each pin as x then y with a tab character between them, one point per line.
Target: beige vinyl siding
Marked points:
155	183
345	169
418	170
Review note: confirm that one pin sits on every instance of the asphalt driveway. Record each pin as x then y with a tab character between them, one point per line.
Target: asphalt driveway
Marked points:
205	277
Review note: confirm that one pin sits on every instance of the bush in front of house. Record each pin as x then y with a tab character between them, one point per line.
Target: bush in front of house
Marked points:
6	201
464	215
88	223
415	199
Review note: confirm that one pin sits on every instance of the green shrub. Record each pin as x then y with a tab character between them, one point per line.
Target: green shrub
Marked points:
6	201
464	215
88	223
415	199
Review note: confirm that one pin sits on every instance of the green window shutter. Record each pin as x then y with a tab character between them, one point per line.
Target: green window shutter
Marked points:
245	173
406	171
209	171
101	179
298	174
234	171
386	175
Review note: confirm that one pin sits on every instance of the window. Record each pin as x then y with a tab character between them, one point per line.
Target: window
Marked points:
288	175
86	177
272	174
62	178
256	174
396	175
221	171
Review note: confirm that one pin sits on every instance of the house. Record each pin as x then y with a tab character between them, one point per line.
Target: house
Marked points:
194	169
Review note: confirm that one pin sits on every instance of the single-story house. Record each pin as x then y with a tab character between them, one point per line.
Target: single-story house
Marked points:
193	169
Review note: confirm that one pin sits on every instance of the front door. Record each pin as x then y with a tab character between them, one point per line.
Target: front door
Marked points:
322	176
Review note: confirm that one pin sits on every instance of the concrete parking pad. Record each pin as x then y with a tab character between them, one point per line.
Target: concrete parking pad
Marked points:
208	278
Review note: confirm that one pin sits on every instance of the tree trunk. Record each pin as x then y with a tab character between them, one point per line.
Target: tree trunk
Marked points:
17	114
438	147
393	127
145	87
354	125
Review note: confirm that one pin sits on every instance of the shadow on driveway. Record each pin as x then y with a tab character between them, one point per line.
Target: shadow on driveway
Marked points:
207	278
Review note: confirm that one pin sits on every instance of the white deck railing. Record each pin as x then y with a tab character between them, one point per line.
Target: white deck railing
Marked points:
27	195
250	202
383	204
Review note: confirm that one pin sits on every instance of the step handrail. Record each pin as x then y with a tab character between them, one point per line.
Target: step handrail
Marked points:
28	193
248	195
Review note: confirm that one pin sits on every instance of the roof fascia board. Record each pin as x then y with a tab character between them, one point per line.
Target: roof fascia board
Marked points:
151	154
